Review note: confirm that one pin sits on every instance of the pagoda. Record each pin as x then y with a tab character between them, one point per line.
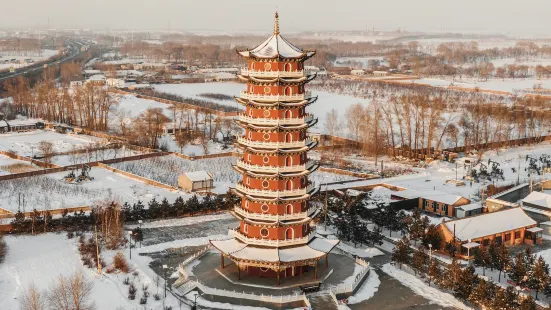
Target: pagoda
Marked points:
276	237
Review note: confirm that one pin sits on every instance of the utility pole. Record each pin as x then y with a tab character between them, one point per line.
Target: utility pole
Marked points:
326	211
97	248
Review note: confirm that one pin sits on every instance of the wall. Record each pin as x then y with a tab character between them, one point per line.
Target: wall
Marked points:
27	159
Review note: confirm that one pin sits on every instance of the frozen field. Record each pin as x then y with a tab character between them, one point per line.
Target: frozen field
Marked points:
136	106
166	170
6	56
194	149
73	159
326	100
39	260
26	143
345	61
508	85
5	162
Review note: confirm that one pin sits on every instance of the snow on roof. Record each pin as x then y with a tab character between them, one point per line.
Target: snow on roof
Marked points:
257	254
228	246
322	244
299	253
97	77
470	207
489	224
535	229
433	195
92	71
198	176
539	199
470	245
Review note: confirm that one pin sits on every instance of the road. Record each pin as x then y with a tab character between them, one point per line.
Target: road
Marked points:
73	48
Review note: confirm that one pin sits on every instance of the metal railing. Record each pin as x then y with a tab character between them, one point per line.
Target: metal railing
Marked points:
256	73
274	217
263	144
275	193
263	97
273	243
276	121
275	169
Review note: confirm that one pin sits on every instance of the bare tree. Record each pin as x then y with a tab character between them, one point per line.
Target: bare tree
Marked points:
32	299
332	123
71	293
47	150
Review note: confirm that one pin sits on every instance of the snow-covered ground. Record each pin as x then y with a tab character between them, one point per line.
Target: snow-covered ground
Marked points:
500	62
368	288
420	287
507	85
34	56
135	106
193	149
66	160
364	61
7	161
26	143
39	260
193	90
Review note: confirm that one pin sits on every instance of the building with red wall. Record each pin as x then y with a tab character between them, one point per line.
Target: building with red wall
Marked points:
276	237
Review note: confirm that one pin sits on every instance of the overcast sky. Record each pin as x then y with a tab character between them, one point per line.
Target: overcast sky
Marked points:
512	17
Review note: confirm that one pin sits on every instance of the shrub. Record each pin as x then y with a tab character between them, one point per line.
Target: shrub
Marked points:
143	300
70	235
120	262
126	281
157	296
132	291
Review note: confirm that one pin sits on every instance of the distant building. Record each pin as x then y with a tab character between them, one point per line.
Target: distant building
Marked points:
20	125
196	181
98	79
432	201
508	227
380	73
76	83
88	73
139	86
357	72
118	83
538	206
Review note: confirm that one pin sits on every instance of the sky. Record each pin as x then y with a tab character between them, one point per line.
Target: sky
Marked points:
516	18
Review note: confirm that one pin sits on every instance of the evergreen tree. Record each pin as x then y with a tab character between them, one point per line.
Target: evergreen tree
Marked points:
450	276
374	237
481	294
419	262
179	206
539	279
527	303
231	200
518	270
500	300
138	211
193	204
432	236
154	209
127	211
434	272
451	248
493	251
482	258
137	235
218	203
415	228
466	283
502	260
400	254
164	208
511	298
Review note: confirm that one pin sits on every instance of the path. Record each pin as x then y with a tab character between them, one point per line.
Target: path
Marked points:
322	302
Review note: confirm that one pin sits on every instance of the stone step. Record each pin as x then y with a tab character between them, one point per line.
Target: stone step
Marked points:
322	302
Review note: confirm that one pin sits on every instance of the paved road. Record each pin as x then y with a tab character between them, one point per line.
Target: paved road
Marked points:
74	48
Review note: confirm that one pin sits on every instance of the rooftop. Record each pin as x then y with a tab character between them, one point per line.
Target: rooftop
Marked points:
433	195
198	176
539	199
489	224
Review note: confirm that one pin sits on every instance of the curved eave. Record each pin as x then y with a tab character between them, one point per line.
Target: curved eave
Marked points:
276	175
278	150
277	224
289	198
305	102
276	127
278	80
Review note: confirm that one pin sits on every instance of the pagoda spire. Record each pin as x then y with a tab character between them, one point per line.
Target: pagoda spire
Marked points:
276	24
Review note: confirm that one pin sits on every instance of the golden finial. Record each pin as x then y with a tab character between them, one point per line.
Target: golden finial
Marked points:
276	24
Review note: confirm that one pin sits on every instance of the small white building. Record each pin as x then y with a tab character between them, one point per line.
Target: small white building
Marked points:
357	72
98	79
139	86
380	73
118	83
89	72
196	181
76	83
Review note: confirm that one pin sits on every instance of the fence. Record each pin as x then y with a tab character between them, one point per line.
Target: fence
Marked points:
351	288
137	177
182	266
27	159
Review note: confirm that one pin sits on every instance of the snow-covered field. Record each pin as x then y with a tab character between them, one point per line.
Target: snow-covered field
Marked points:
39	260
26	143
135	106
36	58
66	160
345	61
507	85
193	149
528	62
7	161
193	90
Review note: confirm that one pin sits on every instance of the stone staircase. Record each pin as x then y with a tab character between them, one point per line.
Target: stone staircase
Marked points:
322	302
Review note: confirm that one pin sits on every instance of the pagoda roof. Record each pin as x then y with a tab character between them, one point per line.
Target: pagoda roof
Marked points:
276	46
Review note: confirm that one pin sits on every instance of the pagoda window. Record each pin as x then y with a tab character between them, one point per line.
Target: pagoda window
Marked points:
245	228
265	184
250	135
264	208
266	159
267	89
246	204
251	112
289	209
289	137
252	65
266	136
266	113
251	89
288	114
267	66
264	232
288	91
249	157
288	161
287	67
248	181
289	233
289	185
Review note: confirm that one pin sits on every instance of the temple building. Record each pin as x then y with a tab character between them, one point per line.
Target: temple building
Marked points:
276	237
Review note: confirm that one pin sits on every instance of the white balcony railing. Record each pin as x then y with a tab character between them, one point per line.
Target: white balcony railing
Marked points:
276	121
274	243
255	73
275	193
275	217
262	97
275	169
283	145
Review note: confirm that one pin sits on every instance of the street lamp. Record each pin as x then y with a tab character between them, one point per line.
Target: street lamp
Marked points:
326	210
130	243
195	301
165	267
141	232
430	252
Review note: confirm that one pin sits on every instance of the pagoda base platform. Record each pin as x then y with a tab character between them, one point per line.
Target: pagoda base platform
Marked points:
209	272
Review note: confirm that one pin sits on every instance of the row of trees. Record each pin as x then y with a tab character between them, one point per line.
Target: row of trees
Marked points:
462	282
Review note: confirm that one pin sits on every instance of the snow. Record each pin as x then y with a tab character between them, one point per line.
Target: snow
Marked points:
360	250
489	224
7	161
193	90
539	199
179	244
273	46
429	194
218	305
421	288
46	53
364	61
184	221
67	160
506	85
368	288
194	149
197	176
39	260
26	143
137	106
